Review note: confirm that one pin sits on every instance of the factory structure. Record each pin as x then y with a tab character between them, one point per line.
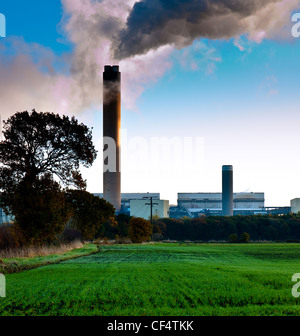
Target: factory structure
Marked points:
225	203
211	204
193	205
146	205
295	205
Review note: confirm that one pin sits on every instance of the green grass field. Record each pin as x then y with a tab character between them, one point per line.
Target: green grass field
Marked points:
161	280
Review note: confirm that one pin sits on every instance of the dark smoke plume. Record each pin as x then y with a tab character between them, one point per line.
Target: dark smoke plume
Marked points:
154	23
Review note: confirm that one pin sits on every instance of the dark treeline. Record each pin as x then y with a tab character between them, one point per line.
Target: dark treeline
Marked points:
126	229
275	228
258	227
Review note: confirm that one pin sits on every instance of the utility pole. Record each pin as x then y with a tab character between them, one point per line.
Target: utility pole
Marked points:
151	207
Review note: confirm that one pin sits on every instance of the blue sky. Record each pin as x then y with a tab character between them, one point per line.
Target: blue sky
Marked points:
238	98
35	20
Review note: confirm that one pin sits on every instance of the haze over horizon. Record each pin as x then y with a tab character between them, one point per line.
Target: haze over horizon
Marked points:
217	79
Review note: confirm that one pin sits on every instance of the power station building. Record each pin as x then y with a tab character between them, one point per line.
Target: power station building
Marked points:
225	203
137	205
141	208
199	204
295	205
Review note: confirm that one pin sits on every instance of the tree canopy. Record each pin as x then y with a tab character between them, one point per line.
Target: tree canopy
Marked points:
41	153
37	144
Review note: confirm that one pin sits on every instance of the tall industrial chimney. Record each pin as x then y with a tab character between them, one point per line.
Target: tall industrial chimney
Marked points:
227	191
111	135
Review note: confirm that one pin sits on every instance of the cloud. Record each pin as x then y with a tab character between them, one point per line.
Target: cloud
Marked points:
28	78
139	72
199	57
239	45
269	85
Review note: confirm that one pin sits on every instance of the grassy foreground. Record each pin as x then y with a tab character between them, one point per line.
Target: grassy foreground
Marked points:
161	279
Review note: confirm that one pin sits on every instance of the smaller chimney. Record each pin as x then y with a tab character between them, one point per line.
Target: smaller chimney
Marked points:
227	191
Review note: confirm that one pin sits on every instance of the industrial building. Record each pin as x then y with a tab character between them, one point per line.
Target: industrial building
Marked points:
295	205
199	204
142	208
225	203
285	210
127	198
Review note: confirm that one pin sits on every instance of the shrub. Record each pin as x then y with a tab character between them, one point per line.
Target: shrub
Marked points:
140	230
245	237
233	238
